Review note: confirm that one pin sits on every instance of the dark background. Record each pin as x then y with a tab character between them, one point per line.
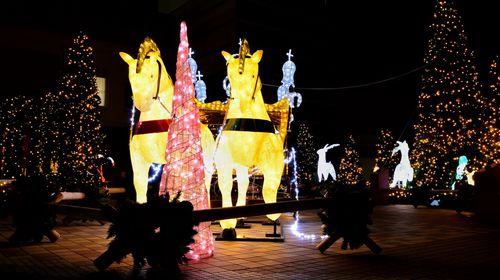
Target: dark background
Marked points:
351	56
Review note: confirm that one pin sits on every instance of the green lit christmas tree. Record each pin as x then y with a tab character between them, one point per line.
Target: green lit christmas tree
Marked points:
350	169
450	106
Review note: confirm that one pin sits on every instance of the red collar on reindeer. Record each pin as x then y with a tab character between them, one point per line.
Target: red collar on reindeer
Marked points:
154	126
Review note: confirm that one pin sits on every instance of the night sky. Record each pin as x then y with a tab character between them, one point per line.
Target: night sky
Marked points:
351	56
375	41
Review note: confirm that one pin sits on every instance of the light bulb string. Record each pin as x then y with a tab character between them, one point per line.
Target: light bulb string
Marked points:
359	85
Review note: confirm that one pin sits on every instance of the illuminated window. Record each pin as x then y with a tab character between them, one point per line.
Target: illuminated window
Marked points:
101	88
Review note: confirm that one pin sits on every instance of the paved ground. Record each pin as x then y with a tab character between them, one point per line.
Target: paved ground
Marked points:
417	243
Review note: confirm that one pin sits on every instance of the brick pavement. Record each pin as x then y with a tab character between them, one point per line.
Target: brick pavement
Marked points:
420	243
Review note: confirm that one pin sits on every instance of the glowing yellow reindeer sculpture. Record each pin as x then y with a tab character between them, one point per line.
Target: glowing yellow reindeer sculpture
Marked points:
248	138
152	90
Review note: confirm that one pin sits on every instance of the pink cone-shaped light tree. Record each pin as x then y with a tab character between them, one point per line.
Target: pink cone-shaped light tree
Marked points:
184	168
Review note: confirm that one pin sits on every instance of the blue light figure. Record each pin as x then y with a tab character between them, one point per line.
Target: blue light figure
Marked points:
193	65
199	85
287	88
200	88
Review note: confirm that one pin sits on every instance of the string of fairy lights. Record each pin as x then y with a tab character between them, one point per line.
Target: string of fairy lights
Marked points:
368	84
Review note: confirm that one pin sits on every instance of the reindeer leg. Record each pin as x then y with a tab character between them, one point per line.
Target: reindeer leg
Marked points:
243	181
141	171
272	179
225	181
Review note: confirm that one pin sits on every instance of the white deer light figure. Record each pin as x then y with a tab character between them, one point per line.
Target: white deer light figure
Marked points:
325	169
403	172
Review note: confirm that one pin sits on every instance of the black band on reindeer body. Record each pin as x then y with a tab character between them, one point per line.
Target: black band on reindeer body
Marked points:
253	125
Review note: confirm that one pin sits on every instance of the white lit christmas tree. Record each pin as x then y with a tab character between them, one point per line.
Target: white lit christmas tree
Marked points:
184	168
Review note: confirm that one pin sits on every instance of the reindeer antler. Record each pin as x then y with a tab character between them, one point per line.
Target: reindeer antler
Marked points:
147	46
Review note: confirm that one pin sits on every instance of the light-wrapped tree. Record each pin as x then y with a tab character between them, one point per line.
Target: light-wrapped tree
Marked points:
451	108
80	137
350	169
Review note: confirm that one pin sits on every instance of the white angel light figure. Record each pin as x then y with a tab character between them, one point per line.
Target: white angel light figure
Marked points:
325	168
